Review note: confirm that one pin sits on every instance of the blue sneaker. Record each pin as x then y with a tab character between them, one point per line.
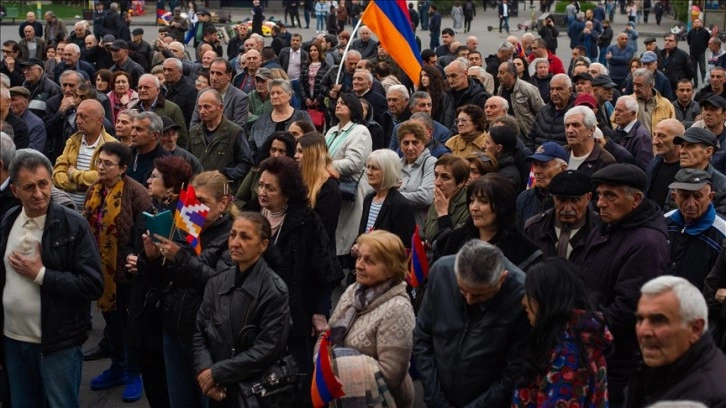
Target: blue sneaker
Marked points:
133	389
109	379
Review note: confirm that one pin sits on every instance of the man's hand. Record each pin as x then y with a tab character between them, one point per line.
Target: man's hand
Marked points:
10	62
27	265
721	295
67	103
335	90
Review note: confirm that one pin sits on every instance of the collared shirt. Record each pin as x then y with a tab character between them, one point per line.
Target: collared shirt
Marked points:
293	68
5	184
142	108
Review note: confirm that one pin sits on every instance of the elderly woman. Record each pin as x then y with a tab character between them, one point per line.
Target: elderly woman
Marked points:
375	319
565	360
305	257
491	201
470	123
349	144
188	272
169	175
278	144
113	203
385	208
246	295
448	211
502	145
417	171
324	197
121	96
541	77
282	115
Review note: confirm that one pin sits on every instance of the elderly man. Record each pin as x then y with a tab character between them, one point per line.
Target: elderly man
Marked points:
55	28
420	102
663	168
652	106
436	148
694	230
462	89
539	50
19	99
236	103
31	46
504	53
397	112
72	60
687	110
40	86
31	21
681	361
563	230
584	154
75	169
331	88
59	110
661	84
179	88
146	133
7	154
169	139
583	83
715	86
628	249
366	46
477	291
150	100
219	143
51	259
714	115
523	98
122	62
603	91
362	86
79	33
548	160
714	55
245	80
548	124
618	56
674	62
697	146
630	133
21	134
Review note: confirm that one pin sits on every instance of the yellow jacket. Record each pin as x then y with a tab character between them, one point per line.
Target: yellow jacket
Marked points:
461	147
663	110
79	180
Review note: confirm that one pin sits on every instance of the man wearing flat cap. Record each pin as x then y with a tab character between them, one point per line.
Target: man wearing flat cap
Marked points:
603	89
19	100
650	45
21	136
627	250
713	114
697	146
40	86
122	62
695	232
142	52
563	230
549	160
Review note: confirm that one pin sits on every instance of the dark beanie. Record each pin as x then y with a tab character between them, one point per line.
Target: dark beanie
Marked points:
505	136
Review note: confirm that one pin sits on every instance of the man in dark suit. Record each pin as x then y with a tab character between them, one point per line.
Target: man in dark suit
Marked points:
179	88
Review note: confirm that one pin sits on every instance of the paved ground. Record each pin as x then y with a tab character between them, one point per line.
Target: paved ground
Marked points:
488	42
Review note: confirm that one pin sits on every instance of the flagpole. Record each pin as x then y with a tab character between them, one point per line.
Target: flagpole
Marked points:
352	35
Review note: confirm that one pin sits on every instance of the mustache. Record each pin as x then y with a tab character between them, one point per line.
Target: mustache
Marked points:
567	213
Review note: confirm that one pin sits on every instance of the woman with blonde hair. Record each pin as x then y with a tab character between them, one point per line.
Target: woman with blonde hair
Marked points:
371	329
324	198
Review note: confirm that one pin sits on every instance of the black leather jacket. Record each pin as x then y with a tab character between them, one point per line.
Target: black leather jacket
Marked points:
261	301
72	276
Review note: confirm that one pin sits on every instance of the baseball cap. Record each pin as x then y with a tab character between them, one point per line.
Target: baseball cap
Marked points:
586	99
169	123
604	81
120	45
583	75
648	57
109	38
138	31
690	180
697	135
264	73
549	151
716	101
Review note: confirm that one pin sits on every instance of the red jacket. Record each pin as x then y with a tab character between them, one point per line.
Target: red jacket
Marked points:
556	65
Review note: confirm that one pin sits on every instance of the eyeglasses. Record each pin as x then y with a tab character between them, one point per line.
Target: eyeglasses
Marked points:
462	121
105	164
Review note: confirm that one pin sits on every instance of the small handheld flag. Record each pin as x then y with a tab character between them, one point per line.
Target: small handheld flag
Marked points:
189	217
530	178
419	269
325	387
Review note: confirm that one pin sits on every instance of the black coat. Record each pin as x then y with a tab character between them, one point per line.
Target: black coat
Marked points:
72	279
470	354
261	302
675	66
549	125
21	134
697	376
396	216
189	274
541	229
184	94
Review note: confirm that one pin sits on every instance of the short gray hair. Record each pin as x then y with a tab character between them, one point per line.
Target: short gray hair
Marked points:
28	159
538	61
588	116
424	117
177	63
282	83
479	262
365	73
503	103
155	122
506	45
131	113
691	302
215	93
416	96
7	150
631	104
600	68
390	165
400	89
4	80
4	93
72	47
352	53
678	404
153	78
645	73
78	75
567	79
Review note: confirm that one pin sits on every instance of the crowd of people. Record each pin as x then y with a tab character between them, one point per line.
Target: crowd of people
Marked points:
572	216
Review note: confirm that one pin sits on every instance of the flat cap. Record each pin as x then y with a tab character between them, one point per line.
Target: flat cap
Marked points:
109	38
648	57
120	45
621	174
32	61
697	135
586	99
570	183
690	180
138	31
19	90
203	12
583	75
716	101
169	123
604	81
649	40
549	151
264	73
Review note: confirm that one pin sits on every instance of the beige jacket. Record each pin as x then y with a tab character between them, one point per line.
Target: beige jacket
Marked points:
526	102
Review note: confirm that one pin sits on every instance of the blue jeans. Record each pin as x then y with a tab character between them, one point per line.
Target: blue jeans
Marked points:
601	58
306	15
320	22
504	22
181	379
36	378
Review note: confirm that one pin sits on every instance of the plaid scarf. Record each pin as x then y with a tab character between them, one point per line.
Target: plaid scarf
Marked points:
364	296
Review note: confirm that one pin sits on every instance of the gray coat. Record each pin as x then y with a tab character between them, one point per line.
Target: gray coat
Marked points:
526	102
264	127
417	185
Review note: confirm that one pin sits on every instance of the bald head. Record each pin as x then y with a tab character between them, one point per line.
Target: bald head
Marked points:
93	105
663	134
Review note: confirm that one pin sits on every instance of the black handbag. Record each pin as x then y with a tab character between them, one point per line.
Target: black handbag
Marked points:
349	187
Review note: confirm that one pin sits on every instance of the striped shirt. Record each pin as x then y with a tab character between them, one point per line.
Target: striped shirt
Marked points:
83	163
373	215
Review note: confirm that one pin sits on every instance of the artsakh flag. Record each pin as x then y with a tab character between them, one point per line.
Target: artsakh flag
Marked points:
390	22
163	17
189	217
325	387
530	179
419	269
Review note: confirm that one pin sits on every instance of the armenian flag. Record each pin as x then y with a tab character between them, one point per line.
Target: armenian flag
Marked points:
325	387
419	269
530	178
390	22
189	217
